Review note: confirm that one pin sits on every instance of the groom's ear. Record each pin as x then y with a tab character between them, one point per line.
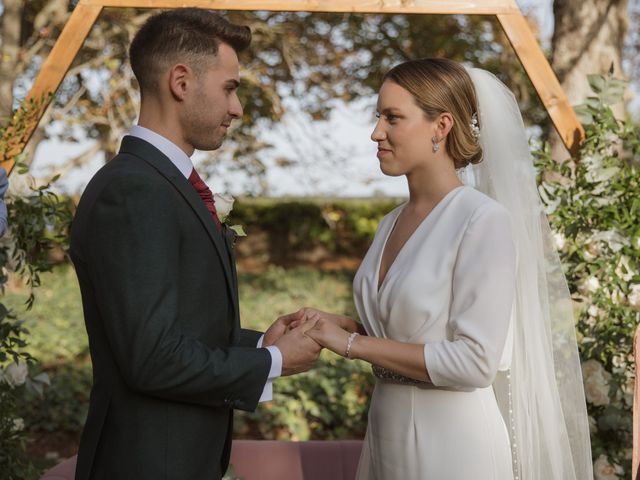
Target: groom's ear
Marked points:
180	76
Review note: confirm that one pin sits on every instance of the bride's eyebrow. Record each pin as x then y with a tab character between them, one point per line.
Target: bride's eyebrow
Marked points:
386	111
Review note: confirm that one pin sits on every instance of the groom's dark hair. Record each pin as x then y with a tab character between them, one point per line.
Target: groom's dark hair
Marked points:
181	35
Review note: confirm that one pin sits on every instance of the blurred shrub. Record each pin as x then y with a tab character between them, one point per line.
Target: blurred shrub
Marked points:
65	405
339	226
329	402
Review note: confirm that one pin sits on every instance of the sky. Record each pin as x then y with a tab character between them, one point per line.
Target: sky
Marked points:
349	167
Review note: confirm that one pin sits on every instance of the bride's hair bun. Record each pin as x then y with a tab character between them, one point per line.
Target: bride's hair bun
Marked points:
440	85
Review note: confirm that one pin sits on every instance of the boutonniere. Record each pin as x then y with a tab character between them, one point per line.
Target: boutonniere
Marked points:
224	205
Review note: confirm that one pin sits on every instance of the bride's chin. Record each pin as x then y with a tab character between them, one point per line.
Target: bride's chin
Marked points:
389	172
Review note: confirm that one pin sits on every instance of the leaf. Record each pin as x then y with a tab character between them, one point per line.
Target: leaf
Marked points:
34	387
42	378
593	102
596	82
584	115
239	230
613	92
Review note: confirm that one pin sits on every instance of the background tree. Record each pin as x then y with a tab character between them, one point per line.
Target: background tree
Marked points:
299	64
588	38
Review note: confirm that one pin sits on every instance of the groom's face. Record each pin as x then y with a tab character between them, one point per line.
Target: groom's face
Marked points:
214	102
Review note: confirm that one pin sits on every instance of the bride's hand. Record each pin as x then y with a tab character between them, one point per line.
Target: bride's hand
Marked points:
307	313
329	335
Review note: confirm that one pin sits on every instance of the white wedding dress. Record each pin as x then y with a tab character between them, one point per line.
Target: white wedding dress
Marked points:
451	288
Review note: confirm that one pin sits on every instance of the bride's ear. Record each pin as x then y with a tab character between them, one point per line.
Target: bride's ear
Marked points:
444	124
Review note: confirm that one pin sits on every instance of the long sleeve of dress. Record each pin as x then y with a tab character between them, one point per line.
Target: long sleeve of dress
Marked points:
482	297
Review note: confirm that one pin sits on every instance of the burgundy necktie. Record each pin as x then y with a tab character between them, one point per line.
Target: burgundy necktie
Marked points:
205	195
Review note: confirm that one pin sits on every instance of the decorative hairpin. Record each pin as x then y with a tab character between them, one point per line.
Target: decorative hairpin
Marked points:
475	129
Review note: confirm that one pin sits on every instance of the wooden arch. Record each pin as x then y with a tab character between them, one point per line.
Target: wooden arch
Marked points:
509	15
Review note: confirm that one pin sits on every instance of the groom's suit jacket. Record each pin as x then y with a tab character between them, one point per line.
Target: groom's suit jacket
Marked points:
160	300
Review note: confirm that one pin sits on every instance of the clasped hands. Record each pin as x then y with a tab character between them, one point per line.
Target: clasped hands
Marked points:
300	336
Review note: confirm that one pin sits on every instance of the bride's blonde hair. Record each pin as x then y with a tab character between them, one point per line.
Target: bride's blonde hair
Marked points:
439	85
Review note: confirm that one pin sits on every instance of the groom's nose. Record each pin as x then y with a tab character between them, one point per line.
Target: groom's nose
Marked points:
235	107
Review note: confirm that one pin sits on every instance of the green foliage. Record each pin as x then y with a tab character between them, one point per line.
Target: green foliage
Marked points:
329	402
38	222
64	407
594	205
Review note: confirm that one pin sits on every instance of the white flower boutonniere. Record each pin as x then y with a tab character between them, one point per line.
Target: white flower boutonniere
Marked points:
224	204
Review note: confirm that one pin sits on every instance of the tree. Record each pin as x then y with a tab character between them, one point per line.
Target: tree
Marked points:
588	39
310	60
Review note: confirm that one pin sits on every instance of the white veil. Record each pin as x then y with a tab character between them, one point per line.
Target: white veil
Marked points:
542	396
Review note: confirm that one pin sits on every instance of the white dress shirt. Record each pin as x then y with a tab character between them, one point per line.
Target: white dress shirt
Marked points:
183	163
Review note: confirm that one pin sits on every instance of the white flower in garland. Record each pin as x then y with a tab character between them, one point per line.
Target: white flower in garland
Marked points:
589	285
591	252
596	383
593	311
603	470
614	239
624	269
559	240
634	297
16	374
18	424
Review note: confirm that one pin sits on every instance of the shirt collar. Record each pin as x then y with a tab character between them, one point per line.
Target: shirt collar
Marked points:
174	153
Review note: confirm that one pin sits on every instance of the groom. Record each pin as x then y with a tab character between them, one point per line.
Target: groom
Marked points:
157	273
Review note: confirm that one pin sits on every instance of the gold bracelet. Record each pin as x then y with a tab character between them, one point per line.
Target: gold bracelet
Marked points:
349	343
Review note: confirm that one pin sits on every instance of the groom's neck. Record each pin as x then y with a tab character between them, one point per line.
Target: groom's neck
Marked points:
164	121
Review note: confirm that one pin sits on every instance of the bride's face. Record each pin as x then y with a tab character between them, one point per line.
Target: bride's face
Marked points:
403	132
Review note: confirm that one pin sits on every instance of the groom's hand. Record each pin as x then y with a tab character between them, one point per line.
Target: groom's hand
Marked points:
299	352
280	327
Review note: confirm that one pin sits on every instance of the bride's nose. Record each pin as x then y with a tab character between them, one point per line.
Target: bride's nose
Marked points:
378	133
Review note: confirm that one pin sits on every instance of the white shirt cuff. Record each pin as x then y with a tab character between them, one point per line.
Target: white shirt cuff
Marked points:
274	372
267	392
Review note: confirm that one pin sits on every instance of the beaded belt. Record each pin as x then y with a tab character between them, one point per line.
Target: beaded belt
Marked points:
384	374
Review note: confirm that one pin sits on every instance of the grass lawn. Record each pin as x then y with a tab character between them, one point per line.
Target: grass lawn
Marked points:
57	332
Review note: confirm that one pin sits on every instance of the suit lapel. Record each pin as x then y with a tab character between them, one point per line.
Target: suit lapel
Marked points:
167	169
228	236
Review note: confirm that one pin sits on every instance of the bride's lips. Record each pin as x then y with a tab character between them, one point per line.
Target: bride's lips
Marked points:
382	152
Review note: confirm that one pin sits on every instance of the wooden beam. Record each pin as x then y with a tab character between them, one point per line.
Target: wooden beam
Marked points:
544	80
51	75
486	7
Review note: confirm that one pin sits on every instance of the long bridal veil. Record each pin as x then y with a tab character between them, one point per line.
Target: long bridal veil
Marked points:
542	396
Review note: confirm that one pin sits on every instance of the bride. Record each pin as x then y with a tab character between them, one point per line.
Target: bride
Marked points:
465	314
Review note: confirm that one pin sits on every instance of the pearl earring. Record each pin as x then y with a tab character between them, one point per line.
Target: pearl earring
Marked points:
436	145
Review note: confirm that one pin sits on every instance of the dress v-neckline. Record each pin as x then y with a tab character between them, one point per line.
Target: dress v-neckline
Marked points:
379	285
